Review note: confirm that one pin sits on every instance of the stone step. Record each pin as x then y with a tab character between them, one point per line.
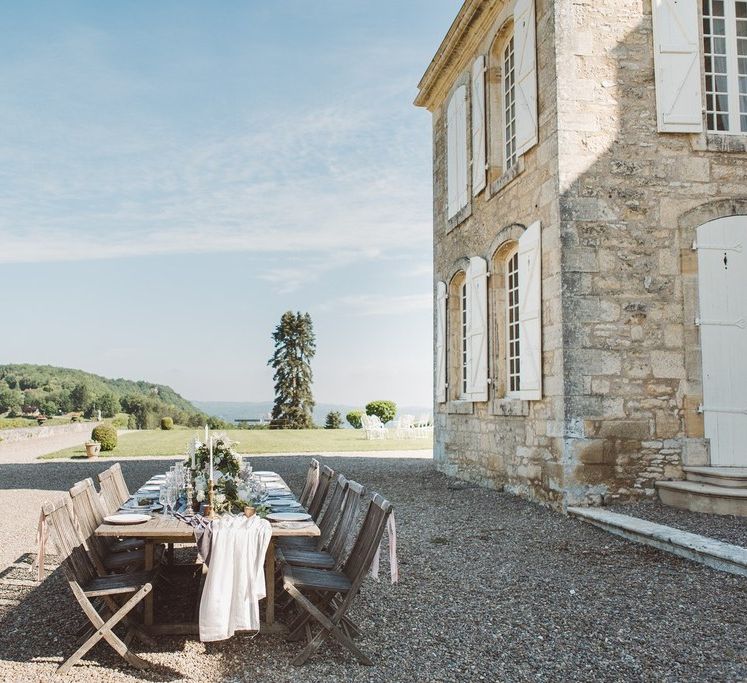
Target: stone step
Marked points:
697	497
707	551
732	477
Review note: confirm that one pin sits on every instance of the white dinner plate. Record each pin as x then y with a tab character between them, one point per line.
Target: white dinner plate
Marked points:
126	519
288	516
151	487
153	506
275	486
158	477
283	504
266	474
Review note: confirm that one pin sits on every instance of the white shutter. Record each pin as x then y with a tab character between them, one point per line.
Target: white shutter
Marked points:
477	329
456	151
478	125
440	378
461	122
451	159
530	313
679	104
525	51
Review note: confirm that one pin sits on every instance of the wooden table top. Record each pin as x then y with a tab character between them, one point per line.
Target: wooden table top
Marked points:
172	530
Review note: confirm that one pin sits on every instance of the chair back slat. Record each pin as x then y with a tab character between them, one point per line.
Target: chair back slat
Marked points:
113	489
368	539
331	513
74	559
88	514
346	526
312	477
317	500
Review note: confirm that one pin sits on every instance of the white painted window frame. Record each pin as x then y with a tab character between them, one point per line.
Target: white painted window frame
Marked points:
511	391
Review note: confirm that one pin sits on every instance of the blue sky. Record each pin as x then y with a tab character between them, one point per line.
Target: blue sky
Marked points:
176	175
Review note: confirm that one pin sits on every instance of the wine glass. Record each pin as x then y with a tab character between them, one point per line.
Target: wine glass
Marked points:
172	493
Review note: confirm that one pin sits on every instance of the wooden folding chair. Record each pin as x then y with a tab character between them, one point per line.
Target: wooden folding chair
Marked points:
330	555
330	516
324	597
114	491
316	503
107	554
97	595
312	478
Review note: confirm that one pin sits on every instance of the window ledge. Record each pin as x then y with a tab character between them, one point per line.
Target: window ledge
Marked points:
509	407
508	177
719	142
460	407
459	217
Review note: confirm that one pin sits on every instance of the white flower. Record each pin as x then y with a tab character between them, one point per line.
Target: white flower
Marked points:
220	498
200	496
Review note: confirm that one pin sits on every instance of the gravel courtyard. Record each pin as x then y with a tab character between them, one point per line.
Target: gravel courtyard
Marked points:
492	588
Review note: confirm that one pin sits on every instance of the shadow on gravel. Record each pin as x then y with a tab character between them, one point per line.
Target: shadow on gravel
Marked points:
40	623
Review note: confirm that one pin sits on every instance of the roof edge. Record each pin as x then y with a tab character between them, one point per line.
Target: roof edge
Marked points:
469	11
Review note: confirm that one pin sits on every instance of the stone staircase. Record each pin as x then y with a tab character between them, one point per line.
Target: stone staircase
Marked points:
713	490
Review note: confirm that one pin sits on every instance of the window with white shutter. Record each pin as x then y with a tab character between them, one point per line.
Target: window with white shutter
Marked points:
525	59
530	313
725	63
478	125
677	63
476	388
440	378
456	151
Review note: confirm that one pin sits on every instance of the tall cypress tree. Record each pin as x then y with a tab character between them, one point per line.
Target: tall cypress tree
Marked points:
295	346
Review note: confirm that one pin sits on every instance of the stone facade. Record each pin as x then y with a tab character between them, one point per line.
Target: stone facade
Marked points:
619	203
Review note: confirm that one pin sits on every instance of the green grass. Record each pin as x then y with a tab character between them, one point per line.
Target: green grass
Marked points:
174	442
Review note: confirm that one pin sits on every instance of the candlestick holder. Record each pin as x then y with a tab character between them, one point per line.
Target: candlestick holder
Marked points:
190	500
210	507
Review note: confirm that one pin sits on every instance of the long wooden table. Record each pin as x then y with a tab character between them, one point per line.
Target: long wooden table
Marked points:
162	529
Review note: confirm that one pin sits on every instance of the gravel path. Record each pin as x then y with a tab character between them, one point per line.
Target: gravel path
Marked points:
30	449
492	589
725	528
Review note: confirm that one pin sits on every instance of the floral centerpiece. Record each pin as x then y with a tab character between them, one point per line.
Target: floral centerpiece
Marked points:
233	489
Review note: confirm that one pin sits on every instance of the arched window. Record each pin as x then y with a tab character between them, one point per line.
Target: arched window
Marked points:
502	103
457	348
513	349
505	347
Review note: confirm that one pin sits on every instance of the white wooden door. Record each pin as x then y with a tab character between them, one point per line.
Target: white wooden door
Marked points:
722	318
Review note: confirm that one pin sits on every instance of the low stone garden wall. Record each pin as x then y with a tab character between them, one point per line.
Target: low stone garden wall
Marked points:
44	432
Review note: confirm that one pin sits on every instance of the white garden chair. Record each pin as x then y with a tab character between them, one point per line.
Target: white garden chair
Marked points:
405	428
373	427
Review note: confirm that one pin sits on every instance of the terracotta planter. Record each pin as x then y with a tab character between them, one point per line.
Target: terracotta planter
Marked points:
93	449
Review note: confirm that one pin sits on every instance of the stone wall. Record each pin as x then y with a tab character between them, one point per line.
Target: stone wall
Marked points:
630	200
619	205
503	443
8	436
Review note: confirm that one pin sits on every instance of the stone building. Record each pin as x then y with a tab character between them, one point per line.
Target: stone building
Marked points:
590	212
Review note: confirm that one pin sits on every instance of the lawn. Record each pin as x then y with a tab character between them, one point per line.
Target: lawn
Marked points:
173	442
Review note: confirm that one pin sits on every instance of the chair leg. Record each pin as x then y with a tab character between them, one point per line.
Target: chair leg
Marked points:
329	627
104	630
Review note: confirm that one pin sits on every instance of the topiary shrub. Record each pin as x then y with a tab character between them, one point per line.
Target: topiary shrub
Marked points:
167	423
384	410
354	419
333	421
106	435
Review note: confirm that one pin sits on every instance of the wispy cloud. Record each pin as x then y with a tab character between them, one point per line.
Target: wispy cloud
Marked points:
328	180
